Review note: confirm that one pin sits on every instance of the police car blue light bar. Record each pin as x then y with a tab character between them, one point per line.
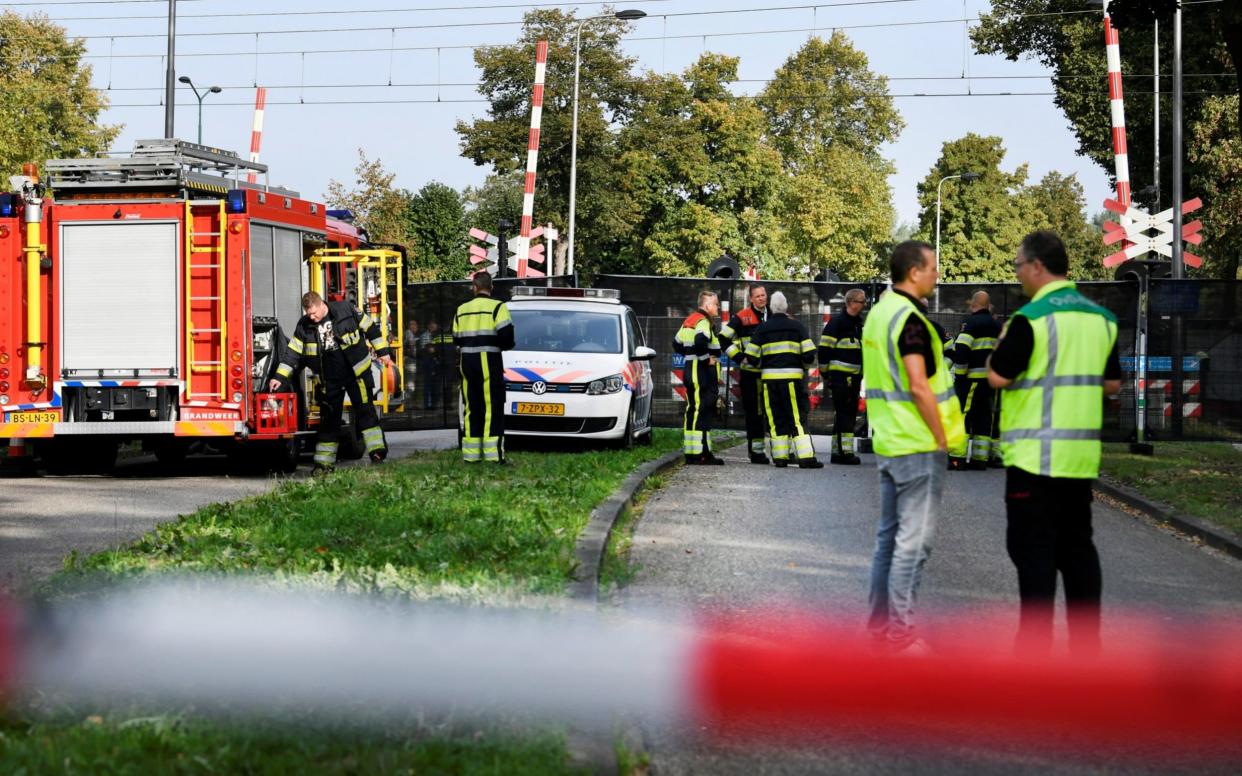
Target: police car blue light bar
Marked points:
594	294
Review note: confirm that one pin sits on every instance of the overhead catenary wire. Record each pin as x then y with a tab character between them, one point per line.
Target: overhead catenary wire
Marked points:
483	100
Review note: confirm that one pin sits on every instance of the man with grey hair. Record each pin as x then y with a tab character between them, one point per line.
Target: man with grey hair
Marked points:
699	348
840	366
783	351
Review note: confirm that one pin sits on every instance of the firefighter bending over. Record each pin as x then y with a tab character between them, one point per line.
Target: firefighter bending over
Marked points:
784	353
332	338
697	343
482	328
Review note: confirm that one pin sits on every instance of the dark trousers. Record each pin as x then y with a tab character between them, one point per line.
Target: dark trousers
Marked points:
975	396
702	390
1049	533
483	401
845	388
787	409
335	388
752	405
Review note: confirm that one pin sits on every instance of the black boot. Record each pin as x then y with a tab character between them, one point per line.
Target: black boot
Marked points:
759	459
810	463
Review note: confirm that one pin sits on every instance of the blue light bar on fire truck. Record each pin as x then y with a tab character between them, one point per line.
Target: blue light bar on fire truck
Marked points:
589	294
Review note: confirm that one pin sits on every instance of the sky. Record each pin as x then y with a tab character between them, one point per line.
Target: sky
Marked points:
322	106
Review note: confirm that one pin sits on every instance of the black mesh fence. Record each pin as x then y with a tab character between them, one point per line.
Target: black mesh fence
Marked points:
1196	321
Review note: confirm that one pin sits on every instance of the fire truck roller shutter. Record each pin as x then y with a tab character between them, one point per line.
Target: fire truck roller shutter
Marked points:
120	301
262	278
287	267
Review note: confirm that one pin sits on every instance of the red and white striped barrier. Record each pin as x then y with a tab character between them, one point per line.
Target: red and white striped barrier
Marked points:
256	130
1112	49
793	676
532	162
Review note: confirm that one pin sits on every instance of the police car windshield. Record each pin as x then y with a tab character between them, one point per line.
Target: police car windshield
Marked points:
566	331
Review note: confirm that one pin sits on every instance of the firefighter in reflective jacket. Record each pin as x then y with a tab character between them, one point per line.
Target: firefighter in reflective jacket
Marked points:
733	336
482	328
783	351
332	338
697	344
971	351
840	364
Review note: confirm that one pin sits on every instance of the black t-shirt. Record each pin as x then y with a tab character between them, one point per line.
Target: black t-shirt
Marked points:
915	337
1013	353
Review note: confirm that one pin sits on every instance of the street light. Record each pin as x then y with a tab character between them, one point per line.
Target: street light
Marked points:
967	177
629	15
185	79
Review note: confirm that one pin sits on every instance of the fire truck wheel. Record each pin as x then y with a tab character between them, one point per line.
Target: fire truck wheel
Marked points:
351	446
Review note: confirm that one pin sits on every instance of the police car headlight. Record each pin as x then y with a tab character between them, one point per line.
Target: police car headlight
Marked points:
611	384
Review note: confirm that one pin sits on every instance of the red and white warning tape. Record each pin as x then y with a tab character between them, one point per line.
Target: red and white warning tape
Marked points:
797	676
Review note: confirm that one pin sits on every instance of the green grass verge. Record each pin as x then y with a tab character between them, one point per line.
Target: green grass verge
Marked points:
424	525
616	571
428	525
176	745
1200	479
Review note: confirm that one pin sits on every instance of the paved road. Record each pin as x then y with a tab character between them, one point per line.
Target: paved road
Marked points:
709	539
43	519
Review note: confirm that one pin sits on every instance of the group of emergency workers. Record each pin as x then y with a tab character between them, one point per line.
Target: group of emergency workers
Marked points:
934	404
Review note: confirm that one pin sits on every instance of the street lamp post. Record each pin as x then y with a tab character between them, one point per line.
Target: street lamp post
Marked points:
627	15
965	176
185	79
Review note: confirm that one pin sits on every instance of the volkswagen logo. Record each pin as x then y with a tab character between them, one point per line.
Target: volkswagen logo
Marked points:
539	387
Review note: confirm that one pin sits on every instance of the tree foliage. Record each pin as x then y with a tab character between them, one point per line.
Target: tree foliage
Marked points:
1057	203
1060	36
377	206
1214	145
675	169
981	221
48	109
435	220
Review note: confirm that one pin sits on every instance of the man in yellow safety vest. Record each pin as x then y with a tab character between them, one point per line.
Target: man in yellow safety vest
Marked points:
1055	361
915	420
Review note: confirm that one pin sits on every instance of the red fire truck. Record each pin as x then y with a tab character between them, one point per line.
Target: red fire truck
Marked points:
149	301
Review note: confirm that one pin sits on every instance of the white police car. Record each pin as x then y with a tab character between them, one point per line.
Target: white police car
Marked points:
580	367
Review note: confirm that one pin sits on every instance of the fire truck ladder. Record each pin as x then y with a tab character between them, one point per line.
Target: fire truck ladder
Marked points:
205	347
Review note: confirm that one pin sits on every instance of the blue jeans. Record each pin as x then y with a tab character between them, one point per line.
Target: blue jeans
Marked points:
910	491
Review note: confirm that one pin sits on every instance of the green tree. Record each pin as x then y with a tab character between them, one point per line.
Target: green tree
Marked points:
828	115
377	207
1059	36
436	223
1057	203
607	97
1214	145
48	109
825	96
981	221
696	177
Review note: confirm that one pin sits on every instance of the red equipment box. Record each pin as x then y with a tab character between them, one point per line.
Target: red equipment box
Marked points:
276	413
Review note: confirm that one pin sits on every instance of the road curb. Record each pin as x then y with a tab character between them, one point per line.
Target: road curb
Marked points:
593	541
1209	534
